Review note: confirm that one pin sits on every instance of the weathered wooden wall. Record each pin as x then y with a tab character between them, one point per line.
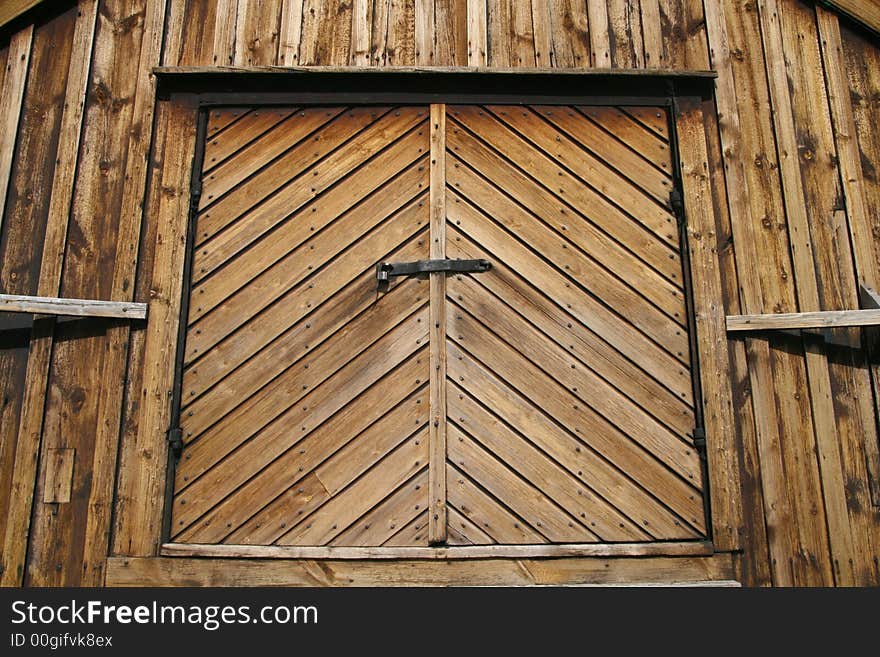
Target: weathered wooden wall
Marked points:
82	149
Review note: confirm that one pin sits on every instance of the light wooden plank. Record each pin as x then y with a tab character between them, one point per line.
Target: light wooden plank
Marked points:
361	23
607	260
600	38
561	154
821	397
315	408
625	25
224	32
241	310
301	456
255	126
17	303
542	26
624	338
580	202
11	100
606	550
424	31
652	33
415	533
290	32
864	11
463	532
59	475
611	366
486	513
143	514
750	192
570	374
652	118
724	485
342	510
560	437
245	371
12	9
807	320
551	478
477	34
258	31
385	520
569	33
601	436
631	164
167	571
645	142
437	330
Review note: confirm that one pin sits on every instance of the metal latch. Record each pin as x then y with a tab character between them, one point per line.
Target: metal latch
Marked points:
175	441
385	270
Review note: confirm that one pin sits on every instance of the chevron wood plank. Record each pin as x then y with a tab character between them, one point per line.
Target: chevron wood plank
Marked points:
641	140
383	522
486	513
222	146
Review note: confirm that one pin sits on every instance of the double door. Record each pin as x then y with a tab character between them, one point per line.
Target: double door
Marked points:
546	400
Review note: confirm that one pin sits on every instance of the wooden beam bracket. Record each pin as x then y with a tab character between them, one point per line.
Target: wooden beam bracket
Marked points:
15	303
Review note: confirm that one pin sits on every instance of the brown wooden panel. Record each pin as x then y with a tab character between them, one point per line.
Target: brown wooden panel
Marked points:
305	404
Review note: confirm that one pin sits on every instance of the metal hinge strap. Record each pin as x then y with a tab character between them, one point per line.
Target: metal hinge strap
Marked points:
385	270
175	441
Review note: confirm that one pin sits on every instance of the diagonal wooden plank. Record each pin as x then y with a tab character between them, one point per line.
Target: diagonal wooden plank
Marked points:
529	202
589	205
652	118
368	192
302	374
225	144
529	343
261	526
624	338
464	532
522	497
604	438
385	520
396	394
486	513
605	148
306	328
329	276
415	533
220	177
221	117
532	465
643	141
562	165
294	423
609	364
559	438
560	254
251	217
306	188
344	509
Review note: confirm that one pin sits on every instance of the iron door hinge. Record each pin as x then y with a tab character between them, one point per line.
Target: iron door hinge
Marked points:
699	440
195	197
676	202
385	270
175	441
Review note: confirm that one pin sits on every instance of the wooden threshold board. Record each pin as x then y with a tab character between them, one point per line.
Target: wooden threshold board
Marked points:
672	549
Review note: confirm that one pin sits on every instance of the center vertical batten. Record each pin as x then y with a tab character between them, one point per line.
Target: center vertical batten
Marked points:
437	466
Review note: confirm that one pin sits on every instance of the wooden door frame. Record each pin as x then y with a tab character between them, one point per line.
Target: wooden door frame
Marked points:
186	93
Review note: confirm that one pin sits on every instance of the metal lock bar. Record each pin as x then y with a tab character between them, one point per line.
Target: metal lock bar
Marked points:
385	270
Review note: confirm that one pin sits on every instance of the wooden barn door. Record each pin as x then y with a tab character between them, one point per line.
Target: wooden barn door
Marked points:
546	401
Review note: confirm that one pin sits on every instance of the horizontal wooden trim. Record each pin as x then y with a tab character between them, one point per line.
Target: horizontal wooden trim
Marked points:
434	70
866	12
432	84
820	319
72	307
718	569
692	548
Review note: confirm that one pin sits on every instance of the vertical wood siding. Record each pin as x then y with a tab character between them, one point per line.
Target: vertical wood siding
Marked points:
794	157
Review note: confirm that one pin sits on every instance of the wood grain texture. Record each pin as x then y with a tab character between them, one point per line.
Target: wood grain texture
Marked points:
129	571
71	307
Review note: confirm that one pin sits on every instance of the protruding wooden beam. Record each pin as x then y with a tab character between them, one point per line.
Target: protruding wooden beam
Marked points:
11	9
810	320
869	297
72	307
866	12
